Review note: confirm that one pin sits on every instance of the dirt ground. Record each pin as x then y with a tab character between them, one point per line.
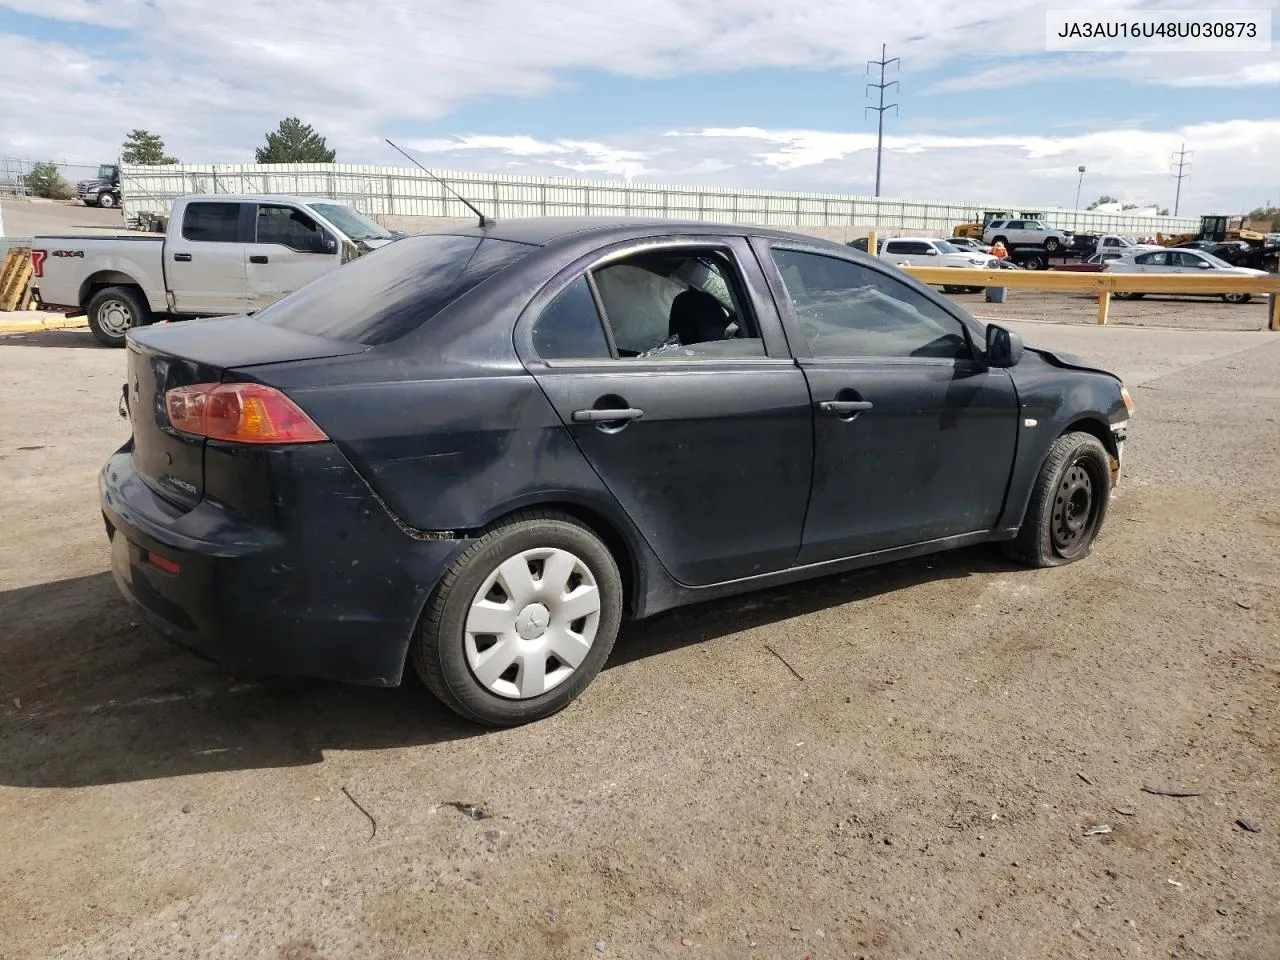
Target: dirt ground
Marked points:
926	776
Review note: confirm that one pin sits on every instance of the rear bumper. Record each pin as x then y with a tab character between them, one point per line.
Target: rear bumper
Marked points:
333	594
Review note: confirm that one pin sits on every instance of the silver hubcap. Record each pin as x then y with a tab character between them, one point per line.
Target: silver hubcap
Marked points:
115	317
532	623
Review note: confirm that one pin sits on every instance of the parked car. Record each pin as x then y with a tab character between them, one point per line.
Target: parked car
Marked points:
1172	260
969	245
102	190
221	255
1119	246
1026	233
475	451
931	252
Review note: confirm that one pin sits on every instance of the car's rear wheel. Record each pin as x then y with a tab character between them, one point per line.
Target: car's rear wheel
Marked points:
1237	297
1123	295
522	621
1068	503
112	311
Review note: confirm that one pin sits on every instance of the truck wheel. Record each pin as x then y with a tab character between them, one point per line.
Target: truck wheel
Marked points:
1052	244
1236	297
522	621
106	200
1068	503
112	311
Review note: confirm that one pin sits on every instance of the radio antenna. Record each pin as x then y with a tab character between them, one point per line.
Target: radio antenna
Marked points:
484	221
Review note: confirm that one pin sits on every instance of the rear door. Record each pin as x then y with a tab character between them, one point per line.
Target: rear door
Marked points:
205	259
666	362
288	250
914	437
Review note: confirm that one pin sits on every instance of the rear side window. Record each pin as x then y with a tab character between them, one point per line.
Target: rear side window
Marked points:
569	328
210	222
390	292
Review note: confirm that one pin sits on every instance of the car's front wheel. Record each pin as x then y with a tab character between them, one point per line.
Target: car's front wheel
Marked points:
1052	244
1237	297
106	200
1068	503
522	621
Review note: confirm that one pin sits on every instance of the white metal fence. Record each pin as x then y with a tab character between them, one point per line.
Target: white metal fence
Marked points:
407	192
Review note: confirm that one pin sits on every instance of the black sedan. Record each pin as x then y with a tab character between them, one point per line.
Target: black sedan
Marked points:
478	450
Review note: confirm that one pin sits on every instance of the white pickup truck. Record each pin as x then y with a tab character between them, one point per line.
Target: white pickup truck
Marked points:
221	255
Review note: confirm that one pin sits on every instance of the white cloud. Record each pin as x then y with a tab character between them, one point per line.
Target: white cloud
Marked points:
213	84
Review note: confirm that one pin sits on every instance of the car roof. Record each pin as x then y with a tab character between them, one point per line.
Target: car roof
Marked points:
540	231
915	239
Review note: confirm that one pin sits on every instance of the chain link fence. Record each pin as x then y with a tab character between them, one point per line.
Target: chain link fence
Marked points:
15	172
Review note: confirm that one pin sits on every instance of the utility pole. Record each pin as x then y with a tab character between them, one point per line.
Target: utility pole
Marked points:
881	87
1179	159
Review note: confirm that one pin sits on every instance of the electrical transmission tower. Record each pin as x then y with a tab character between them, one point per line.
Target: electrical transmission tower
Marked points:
880	87
1180	160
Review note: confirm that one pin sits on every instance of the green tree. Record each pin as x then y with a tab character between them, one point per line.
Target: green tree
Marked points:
1105	198
45	180
146	149
1265	212
295	142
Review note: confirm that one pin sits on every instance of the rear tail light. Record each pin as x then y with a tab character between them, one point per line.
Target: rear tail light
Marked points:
239	412
37	262
163	563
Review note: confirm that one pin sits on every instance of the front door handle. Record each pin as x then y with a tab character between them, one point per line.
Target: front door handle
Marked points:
606	415
845	406
182	257
257	258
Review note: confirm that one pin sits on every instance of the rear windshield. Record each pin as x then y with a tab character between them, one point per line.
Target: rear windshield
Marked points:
391	292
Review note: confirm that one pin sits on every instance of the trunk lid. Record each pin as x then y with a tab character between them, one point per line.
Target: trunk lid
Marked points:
165	356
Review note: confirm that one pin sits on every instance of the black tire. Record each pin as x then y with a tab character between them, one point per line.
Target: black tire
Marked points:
1068	503
1236	297
114	311
106	200
438	649
1035	263
1052	244
1120	295
952	288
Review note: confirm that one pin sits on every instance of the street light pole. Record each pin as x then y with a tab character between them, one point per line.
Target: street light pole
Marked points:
1079	184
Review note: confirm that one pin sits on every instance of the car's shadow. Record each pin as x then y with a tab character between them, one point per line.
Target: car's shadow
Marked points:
73	337
91	697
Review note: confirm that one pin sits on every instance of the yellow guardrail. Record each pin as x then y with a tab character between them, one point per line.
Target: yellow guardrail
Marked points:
1104	284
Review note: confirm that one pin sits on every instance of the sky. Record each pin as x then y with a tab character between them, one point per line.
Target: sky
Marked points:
739	93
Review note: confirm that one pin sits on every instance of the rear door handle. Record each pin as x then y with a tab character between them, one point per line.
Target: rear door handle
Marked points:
845	406
182	257
598	415
257	258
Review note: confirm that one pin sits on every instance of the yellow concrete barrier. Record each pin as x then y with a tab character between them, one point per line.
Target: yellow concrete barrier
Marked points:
1103	284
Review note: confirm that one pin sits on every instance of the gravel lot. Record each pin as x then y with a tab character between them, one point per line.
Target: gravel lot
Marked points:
922	785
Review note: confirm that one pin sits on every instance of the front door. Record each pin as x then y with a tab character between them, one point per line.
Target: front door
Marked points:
914	437
205	260
668	368
288	250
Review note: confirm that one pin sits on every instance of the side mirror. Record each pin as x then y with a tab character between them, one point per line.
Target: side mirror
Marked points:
1204	266
932	252
1004	347
325	243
